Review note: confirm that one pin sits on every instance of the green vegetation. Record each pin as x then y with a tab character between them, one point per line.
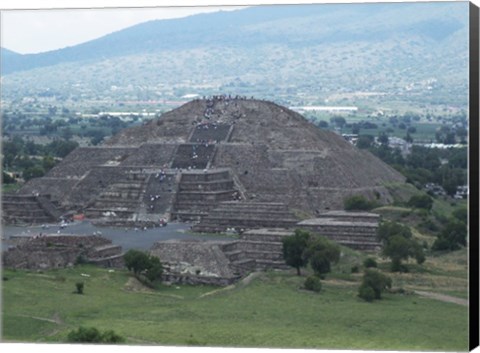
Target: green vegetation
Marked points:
313	283
399	245
294	248
358	203
143	264
373	284
270	311
321	253
93	335
304	248
421	201
79	287
369	262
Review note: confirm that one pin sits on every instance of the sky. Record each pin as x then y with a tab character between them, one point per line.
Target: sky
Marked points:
33	26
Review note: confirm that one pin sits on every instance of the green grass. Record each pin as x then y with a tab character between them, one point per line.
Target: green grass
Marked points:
271	311
10	187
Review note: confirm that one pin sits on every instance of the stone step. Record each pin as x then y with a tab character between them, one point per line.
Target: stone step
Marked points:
234	255
206	186
187	216
263	237
259	255
254	222
205	176
248	245
220	195
271	264
243	266
235	205
234	214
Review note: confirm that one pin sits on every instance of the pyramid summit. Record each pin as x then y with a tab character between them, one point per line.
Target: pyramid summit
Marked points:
210	153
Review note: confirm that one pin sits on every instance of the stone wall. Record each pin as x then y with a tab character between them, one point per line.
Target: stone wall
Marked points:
58	251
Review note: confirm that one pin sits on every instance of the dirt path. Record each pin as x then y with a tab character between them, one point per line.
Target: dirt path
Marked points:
54	320
443	297
244	282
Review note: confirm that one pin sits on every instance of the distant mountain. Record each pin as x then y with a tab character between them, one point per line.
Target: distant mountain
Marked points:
253	45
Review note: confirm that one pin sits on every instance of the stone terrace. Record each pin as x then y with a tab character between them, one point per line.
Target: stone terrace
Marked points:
57	251
211	132
28	209
193	155
195	262
201	191
246	215
121	201
355	230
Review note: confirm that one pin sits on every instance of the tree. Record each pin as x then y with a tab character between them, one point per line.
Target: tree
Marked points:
7	179
338	120
358	203
33	172
369	262
421	201
79	286
377	282
364	141
293	248
141	263
399	244
313	283
452	237
321	252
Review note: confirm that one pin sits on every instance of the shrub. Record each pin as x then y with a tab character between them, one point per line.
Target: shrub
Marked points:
142	263
366	293
79	286
93	335
452	237
313	283
421	201
321	252
355	269
377	281
80	260
369	262
358	203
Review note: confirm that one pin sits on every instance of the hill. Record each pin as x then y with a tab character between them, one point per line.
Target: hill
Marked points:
283	51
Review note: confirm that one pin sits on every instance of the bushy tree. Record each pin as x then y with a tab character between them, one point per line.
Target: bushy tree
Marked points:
376	281
33	172
142	263
79	286
421	201
399	244
369	262
452	237
313	283
358	203
293	248
321	252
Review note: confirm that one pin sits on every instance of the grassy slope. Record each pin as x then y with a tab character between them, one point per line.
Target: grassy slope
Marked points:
271	311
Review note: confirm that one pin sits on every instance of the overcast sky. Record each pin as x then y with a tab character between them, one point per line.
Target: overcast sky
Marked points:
27	28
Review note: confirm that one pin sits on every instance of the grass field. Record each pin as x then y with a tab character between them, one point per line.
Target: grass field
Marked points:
271	310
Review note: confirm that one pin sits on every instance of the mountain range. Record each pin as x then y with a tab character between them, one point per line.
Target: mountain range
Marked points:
267	50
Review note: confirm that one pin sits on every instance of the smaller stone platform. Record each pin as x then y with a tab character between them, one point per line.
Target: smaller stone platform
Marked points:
58	251
357	230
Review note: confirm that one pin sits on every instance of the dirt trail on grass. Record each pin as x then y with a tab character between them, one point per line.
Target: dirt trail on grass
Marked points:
244	282
443	297
56	319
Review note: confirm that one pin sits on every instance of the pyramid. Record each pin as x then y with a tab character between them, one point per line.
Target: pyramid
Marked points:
210	154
